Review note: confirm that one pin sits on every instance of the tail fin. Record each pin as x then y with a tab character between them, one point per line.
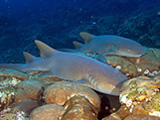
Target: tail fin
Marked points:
19	67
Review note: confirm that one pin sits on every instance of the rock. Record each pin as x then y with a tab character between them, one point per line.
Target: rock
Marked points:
29	89
61	92
79	108
47	112
141	117
118	115
26	105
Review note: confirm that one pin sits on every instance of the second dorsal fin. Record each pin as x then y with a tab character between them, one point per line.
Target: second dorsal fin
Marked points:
29	58
86	36
44	49
77	44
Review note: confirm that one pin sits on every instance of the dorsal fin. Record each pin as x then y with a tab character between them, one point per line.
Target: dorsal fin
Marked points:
77	44
44	49
29	58
86	36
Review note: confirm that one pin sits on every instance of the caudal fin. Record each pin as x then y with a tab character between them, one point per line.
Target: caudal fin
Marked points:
19	67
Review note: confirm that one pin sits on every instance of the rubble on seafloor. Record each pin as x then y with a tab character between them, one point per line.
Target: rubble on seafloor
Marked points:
37	96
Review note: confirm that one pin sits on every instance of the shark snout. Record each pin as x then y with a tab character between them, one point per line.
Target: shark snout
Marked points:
109	89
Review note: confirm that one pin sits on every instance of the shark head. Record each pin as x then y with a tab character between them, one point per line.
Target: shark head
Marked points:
108	89
108	82
112	87
129	48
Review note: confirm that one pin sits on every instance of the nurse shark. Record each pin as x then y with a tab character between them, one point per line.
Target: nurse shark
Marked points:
74	67
108	45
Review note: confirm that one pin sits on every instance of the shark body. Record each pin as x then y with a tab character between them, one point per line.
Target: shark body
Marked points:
108	44
74	67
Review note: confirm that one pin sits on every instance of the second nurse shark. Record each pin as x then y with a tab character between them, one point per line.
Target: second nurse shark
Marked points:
108	45
74	67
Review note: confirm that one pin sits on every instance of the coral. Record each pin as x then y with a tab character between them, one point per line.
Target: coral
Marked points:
141	95
135	27
153	104
139	100
155	29
7	97
14	116
156	40
11	77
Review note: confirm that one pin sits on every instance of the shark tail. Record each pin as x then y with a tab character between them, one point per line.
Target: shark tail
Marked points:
19	67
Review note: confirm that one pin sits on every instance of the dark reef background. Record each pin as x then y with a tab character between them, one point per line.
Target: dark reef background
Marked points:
58	23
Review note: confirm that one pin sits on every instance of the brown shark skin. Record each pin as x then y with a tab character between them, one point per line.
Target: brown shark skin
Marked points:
74	67
110	44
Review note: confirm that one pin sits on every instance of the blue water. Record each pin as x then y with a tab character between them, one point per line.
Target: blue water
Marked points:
58	23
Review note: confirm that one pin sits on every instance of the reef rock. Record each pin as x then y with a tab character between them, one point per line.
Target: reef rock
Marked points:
11	77
29	89
26	105
60	92
142	96
67	100
47	112
7	97
79	108
141	117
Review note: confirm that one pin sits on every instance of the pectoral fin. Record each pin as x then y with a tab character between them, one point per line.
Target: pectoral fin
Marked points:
83	82
110	51
101	58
